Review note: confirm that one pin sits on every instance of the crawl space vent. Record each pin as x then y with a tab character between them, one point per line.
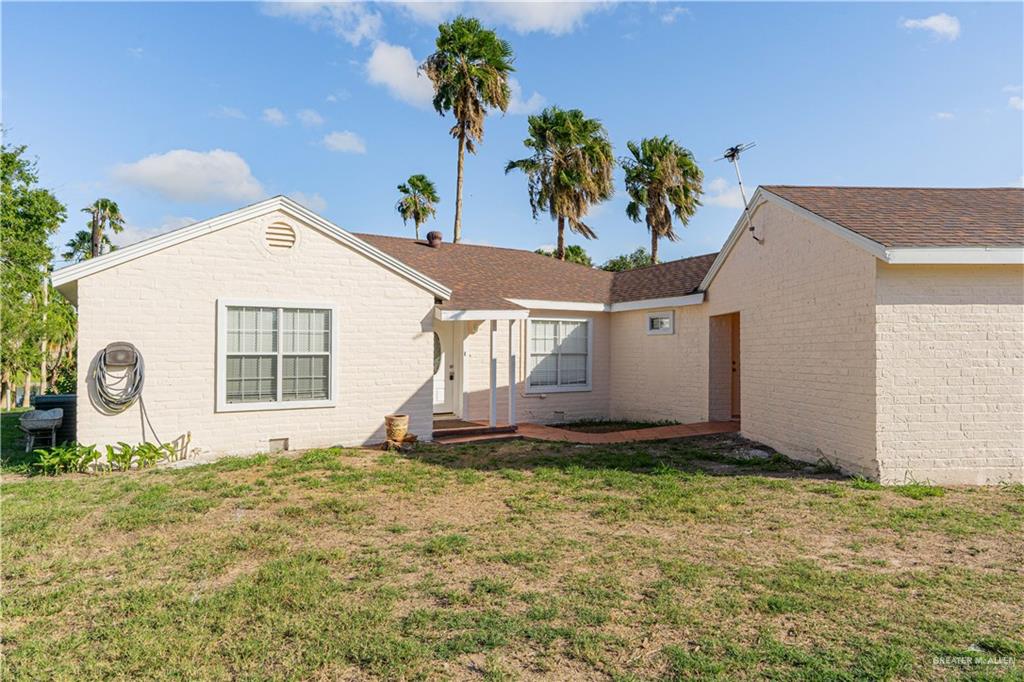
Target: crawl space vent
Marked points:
280	236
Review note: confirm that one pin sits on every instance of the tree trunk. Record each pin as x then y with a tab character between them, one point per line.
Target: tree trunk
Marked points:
417	224
5	393
25	399
560	249
458	190
97	236
654	247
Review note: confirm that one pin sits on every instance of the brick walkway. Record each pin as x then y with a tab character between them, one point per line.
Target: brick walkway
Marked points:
540	432
550	433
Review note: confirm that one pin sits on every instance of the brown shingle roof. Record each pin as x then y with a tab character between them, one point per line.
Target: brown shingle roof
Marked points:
910	217
485	277
675	278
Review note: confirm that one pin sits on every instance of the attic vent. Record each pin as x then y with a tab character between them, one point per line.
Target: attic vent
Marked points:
280	236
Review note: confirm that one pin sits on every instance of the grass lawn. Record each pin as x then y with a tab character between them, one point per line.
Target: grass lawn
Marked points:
608	425
671	560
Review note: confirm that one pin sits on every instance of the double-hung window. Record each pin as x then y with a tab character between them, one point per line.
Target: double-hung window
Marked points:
274	356
558	354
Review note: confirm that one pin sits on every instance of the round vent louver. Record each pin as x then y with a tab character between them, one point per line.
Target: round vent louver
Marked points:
280	236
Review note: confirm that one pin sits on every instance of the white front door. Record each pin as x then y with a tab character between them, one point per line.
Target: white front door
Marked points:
444	368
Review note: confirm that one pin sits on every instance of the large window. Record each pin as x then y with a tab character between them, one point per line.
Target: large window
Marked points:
558	355
274	356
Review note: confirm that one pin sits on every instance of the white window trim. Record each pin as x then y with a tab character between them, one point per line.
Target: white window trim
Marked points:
573	388
670	314
222	346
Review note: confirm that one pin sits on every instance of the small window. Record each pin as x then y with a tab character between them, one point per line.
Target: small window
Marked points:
660	323
274	356
559	355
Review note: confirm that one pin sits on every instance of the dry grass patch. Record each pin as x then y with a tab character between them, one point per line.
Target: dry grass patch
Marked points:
674	560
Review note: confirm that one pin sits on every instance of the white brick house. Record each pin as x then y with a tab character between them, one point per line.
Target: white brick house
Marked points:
882	329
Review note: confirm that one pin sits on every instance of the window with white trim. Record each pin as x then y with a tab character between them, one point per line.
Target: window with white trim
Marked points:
558	355
275	356
660	323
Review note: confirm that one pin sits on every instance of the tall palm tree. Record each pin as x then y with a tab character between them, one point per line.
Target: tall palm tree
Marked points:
662	177
570	169
79	247
417	202
469	70
104	213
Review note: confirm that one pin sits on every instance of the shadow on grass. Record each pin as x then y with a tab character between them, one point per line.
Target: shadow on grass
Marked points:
718	455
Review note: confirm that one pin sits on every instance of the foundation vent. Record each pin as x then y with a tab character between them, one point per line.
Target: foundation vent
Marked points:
280	236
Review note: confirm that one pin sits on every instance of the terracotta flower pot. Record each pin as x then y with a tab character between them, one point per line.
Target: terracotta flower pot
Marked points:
397	426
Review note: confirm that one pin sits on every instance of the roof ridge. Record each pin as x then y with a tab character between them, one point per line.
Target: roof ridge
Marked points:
668	262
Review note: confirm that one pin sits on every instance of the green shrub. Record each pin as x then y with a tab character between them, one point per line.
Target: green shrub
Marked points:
66	458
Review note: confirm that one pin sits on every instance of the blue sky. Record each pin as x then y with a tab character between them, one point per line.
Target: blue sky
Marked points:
184	111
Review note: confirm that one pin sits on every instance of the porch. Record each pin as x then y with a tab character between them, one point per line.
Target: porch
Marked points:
448	431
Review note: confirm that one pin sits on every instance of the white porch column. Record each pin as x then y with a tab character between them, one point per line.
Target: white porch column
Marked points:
493	336
513	348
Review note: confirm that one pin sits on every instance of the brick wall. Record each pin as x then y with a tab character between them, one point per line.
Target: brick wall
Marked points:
806	302
950	383
166	304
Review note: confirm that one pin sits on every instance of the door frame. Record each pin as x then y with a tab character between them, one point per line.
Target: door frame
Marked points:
454	400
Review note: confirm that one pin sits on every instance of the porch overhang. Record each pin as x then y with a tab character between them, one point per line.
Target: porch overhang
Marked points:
457	315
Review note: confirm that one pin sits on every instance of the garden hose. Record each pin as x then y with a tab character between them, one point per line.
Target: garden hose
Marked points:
116	393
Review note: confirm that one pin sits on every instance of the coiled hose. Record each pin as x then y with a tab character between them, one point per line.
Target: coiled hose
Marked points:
116	393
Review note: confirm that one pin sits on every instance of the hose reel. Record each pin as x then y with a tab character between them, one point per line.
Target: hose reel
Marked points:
118	376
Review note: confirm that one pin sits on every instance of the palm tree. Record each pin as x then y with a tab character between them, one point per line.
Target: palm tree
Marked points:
470	72
574	253
662	174
417	202
79	247
103	213
570	169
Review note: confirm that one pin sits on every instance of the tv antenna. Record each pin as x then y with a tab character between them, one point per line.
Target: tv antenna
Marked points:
732	155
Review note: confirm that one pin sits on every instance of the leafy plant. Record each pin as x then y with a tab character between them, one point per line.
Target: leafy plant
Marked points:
120	457
65	458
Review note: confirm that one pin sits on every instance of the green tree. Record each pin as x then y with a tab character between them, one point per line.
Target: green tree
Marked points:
417	202
574	253
570	169
103	214
628	261
79	247
662	178
60	327
469	71
28	216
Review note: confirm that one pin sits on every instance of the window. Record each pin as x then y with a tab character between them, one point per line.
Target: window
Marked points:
558	355
660	323
274	356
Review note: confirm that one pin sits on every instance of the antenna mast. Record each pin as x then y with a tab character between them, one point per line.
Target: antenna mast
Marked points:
732	155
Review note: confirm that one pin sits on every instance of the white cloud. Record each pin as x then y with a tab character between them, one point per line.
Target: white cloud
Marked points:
345	141
516	103
310	118
674	13
394	67
555	18
338	96
351	21
943	26
275	117
944	116
134	233
187	175
313	202
227	112
1016	102
719	192
1012	88
136	51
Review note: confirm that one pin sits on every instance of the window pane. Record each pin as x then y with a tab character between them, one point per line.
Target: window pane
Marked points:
252	330
251	379
659	322
305	377
572	369
573	337
543	370
307	331
543	336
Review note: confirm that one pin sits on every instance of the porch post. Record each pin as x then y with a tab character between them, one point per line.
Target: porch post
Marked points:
513	348
494	374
